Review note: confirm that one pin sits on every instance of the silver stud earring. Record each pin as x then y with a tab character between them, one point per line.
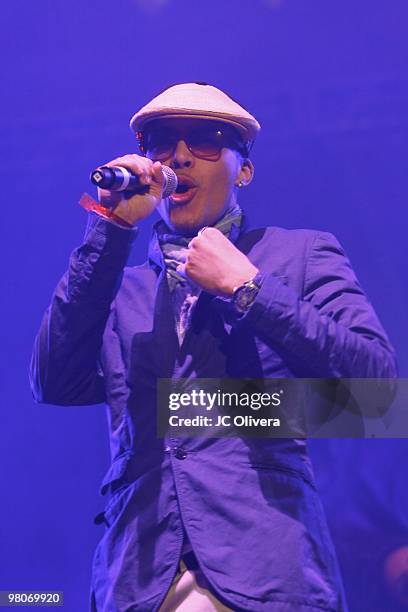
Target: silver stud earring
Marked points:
240	184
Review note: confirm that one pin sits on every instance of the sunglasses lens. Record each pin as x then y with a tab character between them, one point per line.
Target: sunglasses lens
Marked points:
159	144
206	144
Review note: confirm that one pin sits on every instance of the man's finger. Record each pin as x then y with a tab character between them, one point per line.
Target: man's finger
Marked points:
181	269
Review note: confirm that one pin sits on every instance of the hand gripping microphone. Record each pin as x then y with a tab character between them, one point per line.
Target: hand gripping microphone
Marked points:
118	178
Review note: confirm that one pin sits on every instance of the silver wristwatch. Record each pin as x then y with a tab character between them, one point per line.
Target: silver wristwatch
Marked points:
244	295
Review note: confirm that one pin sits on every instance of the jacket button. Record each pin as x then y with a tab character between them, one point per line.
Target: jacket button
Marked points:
179	453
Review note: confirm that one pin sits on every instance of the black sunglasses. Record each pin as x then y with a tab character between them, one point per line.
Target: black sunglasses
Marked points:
205	141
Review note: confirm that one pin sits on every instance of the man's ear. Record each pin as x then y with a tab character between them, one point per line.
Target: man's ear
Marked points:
246	173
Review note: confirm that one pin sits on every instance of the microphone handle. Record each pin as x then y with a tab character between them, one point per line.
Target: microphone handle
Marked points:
116	178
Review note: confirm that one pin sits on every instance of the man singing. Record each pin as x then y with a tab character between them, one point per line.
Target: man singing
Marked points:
200	524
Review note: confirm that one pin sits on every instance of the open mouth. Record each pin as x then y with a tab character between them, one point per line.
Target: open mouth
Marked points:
182	188
185	191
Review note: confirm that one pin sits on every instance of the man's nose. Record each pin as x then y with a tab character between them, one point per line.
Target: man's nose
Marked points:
182	156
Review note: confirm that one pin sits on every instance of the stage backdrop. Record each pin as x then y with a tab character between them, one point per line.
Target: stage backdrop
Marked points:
328	83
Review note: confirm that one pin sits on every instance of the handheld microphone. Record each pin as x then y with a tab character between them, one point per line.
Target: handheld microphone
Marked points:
118	178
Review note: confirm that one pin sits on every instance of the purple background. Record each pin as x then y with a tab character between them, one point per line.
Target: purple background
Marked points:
328	82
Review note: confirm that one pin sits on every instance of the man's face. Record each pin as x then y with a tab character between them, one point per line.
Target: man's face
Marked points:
208	187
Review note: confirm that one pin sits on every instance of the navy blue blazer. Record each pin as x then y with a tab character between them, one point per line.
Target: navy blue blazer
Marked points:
249	506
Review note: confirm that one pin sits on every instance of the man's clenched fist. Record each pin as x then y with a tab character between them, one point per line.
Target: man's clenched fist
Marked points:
215	264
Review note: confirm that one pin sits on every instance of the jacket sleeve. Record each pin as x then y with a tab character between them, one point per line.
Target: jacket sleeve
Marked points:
64	365
331	331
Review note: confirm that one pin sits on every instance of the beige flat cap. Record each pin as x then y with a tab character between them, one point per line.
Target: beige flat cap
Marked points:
197	100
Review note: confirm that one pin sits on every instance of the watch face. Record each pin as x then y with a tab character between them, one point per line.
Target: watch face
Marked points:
245	295
246	299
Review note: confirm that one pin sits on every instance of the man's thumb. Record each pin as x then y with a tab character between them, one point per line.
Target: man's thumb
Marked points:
157	173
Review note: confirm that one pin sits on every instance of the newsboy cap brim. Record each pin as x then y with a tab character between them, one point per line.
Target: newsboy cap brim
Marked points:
196	100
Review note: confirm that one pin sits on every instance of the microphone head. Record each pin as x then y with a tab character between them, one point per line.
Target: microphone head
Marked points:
170	183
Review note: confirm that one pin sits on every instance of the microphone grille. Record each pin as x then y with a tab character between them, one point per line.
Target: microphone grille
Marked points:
170	183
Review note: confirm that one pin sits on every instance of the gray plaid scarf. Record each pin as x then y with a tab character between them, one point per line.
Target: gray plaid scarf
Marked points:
174	247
